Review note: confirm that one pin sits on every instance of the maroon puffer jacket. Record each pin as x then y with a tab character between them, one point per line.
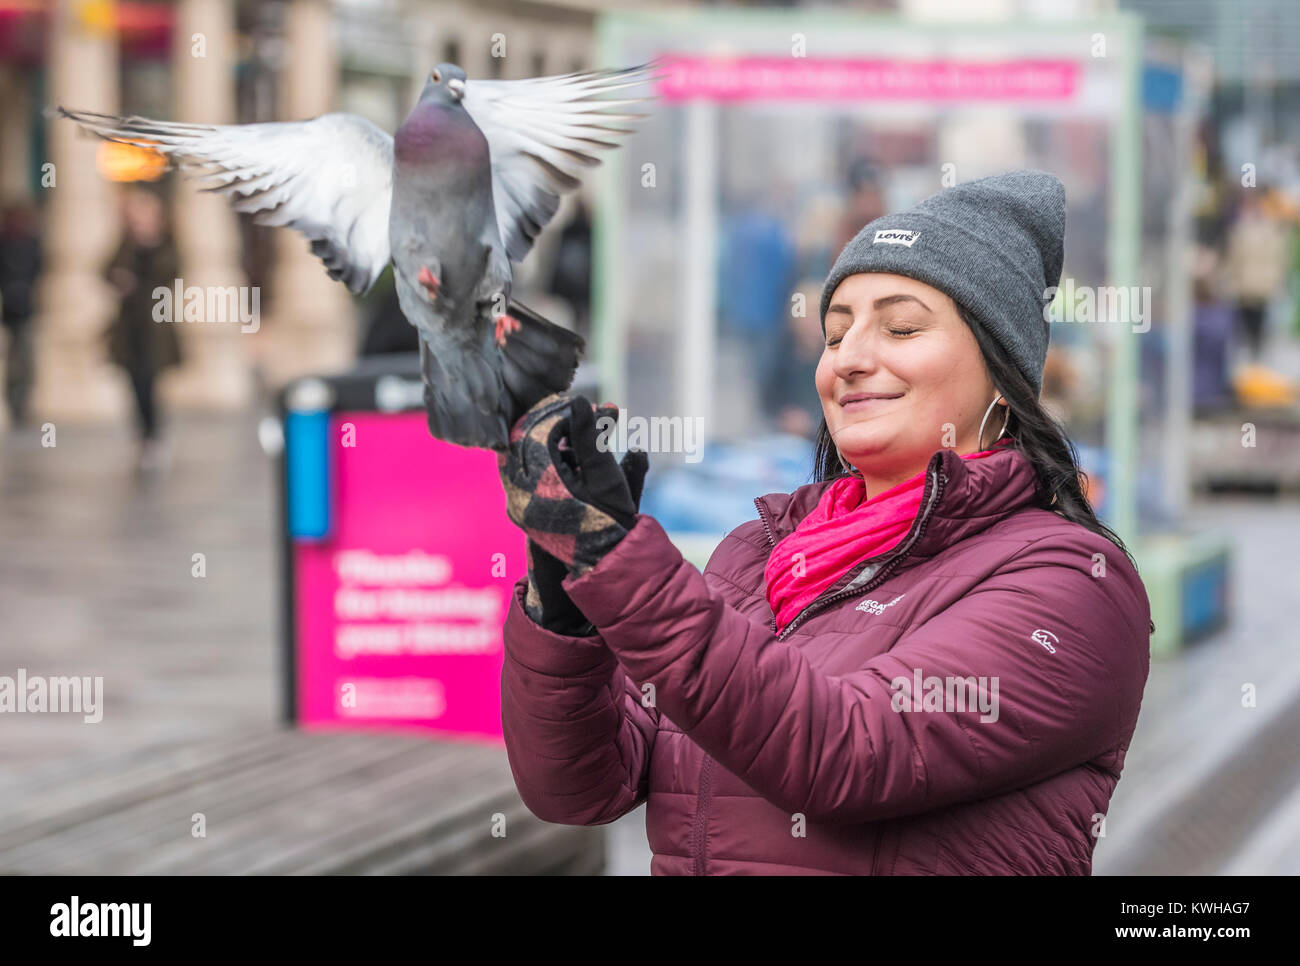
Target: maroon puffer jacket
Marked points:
759	754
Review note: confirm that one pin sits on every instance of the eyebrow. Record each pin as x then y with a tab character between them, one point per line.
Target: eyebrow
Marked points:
879	303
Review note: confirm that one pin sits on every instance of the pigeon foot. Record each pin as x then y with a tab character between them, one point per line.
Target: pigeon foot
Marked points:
430	281
505	325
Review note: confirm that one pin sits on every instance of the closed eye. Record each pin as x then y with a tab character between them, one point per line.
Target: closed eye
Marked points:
898	332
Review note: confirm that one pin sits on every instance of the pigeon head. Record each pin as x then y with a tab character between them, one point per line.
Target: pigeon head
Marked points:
444	85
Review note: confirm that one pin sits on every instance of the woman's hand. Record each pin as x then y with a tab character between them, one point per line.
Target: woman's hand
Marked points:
570	497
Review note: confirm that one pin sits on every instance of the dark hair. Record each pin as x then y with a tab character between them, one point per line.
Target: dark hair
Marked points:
1033	432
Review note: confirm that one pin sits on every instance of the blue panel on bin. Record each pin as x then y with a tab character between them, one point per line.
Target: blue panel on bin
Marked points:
306	448
1204	596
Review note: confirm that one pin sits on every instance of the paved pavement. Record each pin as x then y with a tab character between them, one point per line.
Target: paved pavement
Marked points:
1195	726
96	578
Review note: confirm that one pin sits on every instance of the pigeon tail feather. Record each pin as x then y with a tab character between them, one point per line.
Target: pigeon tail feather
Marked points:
464	407
538	359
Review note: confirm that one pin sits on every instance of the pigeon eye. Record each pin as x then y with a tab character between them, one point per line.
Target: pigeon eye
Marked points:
435	77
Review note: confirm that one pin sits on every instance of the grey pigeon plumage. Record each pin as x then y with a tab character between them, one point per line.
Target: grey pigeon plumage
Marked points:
474	173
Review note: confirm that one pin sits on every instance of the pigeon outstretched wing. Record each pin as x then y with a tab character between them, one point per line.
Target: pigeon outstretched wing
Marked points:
543	132
330	178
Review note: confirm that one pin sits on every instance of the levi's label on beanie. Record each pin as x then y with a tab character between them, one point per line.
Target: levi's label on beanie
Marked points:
896	236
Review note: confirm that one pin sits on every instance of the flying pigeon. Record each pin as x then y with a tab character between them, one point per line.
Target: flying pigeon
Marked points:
460	192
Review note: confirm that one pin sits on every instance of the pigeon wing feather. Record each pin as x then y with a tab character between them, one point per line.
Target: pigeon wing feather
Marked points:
543	133
330	178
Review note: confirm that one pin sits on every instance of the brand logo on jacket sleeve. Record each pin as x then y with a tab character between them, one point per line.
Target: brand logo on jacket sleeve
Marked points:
1045	638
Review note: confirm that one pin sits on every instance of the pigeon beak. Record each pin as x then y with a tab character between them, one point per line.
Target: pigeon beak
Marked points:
457	87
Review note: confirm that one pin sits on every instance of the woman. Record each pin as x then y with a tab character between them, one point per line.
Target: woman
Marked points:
928	661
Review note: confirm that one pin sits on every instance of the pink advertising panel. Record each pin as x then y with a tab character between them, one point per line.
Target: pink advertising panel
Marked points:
399	610
685	77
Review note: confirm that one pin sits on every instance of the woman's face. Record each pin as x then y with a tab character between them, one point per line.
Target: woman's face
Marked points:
900	377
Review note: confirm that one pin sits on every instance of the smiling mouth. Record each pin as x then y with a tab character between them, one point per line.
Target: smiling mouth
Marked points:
867	398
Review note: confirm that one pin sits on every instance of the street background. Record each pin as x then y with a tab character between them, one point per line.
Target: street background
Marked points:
1180	147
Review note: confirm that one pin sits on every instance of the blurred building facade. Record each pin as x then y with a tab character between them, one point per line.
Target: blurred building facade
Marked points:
241	61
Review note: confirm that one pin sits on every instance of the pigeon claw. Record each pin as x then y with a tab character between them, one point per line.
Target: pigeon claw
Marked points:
505	324
430	281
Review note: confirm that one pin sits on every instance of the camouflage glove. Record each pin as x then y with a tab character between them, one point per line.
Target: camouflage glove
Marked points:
546	602
572	500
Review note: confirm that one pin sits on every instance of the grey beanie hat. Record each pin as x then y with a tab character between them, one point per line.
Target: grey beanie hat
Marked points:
994	245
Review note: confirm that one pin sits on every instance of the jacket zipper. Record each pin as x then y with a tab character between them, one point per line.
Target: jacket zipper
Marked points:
771	539
700	833
700	830
935	482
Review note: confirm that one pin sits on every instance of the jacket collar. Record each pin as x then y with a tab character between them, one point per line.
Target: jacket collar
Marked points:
973	494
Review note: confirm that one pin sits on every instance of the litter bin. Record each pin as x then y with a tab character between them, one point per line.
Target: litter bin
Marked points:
398	559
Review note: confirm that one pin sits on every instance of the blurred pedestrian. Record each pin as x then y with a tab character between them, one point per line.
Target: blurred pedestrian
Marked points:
571	278
1257	262
20	266
756	276
145	260
929	661
1213	320
789	395
386	330
866	201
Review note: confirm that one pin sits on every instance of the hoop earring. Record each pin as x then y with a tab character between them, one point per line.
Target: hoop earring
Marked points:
1005	421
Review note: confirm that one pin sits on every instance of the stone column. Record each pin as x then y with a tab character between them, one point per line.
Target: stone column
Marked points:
428	30
214	373
74	380
312	323
476	44
15	141
520	44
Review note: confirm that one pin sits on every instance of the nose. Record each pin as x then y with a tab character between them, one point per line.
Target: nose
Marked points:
857	353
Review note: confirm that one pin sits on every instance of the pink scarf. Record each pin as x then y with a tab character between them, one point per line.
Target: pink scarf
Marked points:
840	531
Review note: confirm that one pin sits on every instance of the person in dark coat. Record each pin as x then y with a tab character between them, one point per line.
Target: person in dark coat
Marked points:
571	278
386	330
20	267
930	660
145	260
